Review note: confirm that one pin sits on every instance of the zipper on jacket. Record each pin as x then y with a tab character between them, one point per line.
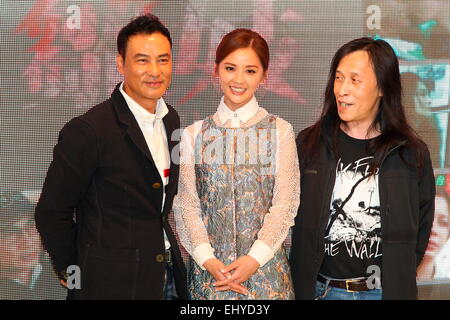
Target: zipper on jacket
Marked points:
385	212
381	164
390	151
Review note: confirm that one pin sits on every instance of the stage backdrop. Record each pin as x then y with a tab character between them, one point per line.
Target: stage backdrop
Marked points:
58	59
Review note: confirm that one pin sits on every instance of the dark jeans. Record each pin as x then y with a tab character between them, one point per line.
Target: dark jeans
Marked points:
170	292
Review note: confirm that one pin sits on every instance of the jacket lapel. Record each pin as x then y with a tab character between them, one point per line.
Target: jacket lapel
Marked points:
133	130
170	128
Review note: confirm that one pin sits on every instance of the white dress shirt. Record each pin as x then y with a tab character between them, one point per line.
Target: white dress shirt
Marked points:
243	114
152	127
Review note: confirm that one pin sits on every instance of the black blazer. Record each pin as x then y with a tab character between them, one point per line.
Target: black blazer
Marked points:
103	171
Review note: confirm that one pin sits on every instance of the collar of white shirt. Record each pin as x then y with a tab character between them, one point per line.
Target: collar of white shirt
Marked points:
242	114
140	113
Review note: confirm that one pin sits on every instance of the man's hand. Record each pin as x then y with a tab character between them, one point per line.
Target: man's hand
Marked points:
224	282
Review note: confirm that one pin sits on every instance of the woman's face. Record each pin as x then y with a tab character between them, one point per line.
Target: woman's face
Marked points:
240	73
422	99
441	226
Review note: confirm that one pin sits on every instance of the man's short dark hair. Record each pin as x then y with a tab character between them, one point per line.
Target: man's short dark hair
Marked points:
15	207
144	24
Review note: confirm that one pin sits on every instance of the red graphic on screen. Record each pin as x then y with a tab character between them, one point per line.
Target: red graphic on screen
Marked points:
47	23
70	61
74	60
41	23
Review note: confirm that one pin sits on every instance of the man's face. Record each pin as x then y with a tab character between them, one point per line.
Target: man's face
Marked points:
440	232
20	248
147	68
356	90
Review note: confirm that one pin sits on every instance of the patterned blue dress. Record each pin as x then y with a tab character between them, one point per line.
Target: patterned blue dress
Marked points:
235	196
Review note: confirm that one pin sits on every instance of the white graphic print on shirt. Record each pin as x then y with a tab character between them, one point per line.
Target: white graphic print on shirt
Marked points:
355	213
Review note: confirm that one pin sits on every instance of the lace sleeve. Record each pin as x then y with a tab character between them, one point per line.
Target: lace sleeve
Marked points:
286	196
186	207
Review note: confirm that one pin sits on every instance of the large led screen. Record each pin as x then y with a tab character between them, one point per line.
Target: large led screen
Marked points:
58	60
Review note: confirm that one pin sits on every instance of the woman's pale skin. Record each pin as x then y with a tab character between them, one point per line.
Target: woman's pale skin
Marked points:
240	73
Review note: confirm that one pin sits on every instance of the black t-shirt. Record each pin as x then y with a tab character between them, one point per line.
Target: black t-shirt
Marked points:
353	234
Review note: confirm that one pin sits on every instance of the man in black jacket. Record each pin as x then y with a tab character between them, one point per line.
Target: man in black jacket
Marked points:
367	199
112	167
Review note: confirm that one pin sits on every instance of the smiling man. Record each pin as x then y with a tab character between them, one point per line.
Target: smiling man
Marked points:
112	169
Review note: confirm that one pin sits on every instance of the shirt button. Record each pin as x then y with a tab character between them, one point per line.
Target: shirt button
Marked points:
156	185
159	258
235	115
